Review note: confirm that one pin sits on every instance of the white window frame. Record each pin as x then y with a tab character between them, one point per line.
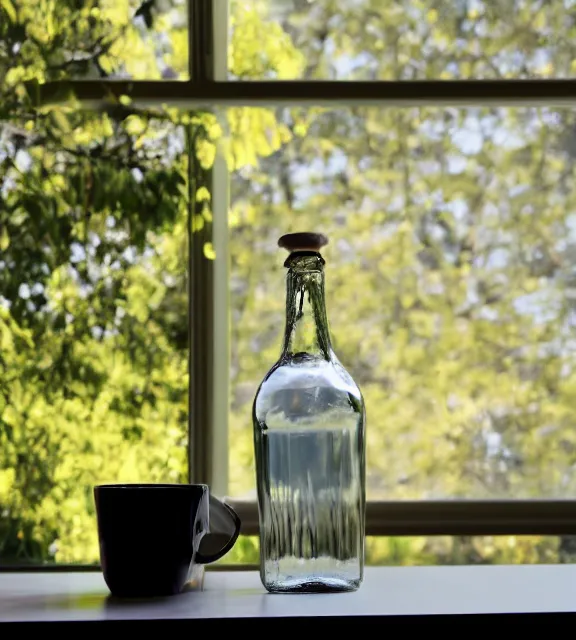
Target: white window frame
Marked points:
208	282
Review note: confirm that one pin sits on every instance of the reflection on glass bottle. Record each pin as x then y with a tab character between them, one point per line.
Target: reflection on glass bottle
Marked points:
309	437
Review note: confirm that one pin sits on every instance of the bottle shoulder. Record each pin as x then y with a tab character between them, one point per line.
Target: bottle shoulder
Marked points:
304	373
307	388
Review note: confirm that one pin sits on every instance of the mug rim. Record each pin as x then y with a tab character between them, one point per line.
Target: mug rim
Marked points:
135	485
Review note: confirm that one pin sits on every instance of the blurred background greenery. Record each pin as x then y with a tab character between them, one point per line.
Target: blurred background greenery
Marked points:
450	274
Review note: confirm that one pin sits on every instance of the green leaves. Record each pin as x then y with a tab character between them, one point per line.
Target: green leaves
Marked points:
448	261
4	238
202	194
60	120
93	344
449	289
9	9
209	251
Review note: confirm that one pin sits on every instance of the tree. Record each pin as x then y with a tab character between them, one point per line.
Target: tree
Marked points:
94	211
92	222
449	269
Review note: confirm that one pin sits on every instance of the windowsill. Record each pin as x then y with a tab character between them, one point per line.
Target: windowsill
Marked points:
388	593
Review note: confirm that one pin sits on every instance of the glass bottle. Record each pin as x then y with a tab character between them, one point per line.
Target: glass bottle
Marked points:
309	438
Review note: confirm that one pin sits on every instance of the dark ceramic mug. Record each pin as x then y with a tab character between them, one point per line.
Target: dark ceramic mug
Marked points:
153	535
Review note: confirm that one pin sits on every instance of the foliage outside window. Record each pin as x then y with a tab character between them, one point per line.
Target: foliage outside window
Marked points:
450	275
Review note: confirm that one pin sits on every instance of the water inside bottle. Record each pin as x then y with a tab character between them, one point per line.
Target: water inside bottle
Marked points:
312	516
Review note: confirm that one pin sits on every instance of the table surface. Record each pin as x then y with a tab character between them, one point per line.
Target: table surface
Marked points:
386	591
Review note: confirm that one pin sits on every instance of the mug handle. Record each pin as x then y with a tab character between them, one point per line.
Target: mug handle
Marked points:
222	534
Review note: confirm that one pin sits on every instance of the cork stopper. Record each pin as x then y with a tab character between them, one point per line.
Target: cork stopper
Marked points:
303	241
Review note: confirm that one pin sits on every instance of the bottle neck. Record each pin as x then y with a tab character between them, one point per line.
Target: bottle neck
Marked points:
306	332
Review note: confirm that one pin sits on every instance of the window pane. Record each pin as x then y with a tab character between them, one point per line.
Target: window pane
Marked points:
93	330
402	40
450	286
93	40
443	550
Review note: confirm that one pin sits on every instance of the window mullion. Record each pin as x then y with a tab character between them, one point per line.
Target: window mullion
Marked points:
200	323
452	517
200	41
200	267
402	93
221	329
208	294
220	292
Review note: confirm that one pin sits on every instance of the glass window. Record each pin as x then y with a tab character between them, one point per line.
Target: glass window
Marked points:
402	39
116	39
93	321
450	275
450	286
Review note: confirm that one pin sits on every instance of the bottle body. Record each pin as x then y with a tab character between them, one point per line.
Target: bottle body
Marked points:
309	437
